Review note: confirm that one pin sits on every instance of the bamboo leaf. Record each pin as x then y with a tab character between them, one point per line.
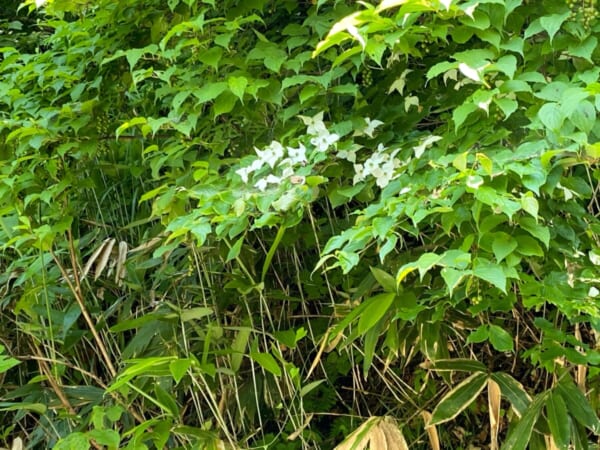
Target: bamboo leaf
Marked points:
577	405
459	398
558	420
518	437
513	391
378	306
267	362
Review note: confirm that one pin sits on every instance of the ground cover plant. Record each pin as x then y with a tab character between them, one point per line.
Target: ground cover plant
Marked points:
299	224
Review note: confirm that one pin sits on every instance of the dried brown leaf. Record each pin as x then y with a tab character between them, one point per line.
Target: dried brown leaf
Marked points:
394	437
104	257
121	258
434	439
550	444
494	395
17	444
147	245
377	439
293	436
92	259
359	438
317	359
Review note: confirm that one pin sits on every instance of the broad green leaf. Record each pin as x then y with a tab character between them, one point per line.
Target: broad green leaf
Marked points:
507	106
308	92
506	64
558	420
270	54
237	85
503	245
490	272
108	438
426	261
453	277
551	116
378	307
460	114
211	57
267	362
347	260
224	104
584	49
551	24
528	246
210	91
500	339
440	68
584	116
458	398
455	258
179	367
481	334
530	204
540	232
73	441
519	435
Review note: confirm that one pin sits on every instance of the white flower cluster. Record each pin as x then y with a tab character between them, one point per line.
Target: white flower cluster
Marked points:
380	165
287	159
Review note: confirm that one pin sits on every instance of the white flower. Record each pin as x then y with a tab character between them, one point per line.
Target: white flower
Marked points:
297	155
287	172
359	173
40	3
371	125
349	155
272	179
426	143
383	180
314	125
270	154
245	172
377	172
593	292
261	184
324	140
370	166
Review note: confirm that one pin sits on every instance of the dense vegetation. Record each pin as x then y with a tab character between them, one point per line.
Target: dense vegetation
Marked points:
296	224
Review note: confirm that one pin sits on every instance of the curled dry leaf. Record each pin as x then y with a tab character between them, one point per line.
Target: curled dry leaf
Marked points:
377	433
434	439
121	258
17	444
494	409
100	257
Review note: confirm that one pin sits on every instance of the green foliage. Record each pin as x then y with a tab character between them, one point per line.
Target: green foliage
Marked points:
225	223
